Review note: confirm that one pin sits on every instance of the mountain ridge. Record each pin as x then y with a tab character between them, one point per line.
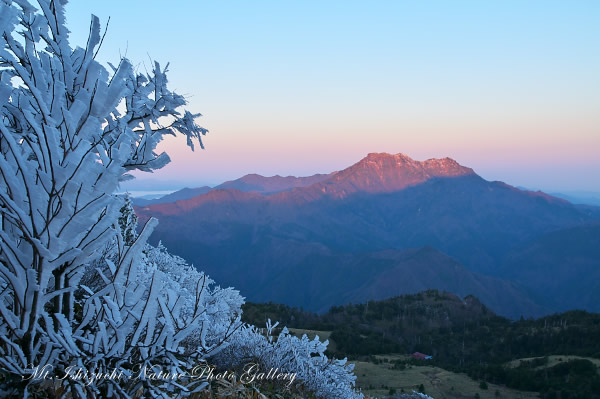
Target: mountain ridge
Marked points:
382	202
412	172
254	182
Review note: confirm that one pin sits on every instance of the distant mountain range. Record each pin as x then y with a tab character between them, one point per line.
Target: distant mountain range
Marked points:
574	197
271	185
385	226
183	194
585	198
249	183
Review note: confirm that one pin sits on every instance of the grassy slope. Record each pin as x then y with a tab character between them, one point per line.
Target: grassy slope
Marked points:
377	379
438	323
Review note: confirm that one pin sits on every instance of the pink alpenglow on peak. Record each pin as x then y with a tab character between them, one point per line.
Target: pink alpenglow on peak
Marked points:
382	172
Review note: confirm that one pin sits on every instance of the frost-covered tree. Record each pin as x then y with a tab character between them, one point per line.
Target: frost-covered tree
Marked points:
128	222
69	133
80	289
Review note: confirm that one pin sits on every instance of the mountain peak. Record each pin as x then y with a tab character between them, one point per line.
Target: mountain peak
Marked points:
438	167
446	167
378	156
383	172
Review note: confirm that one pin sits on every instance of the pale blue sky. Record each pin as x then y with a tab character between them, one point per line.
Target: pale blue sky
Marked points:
510	88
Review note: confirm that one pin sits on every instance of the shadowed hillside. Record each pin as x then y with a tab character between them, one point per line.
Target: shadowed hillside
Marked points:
280	246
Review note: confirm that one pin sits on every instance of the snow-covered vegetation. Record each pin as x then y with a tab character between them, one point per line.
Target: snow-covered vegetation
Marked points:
87	307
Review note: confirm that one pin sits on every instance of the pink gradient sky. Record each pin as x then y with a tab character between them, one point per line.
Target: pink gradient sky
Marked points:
508	88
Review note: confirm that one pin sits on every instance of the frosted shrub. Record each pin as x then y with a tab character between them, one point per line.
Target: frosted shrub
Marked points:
327	378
